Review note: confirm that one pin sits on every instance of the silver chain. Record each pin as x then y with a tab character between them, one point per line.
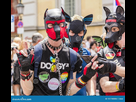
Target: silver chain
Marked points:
57	63
68	91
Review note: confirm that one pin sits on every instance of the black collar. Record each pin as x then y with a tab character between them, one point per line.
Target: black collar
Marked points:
52	47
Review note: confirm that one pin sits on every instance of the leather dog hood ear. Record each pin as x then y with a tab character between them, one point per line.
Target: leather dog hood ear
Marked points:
45	13
88	19
120	10
67	17
107	11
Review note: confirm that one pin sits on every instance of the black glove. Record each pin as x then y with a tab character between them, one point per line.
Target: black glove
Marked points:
109	66
122	85
24	62
88	73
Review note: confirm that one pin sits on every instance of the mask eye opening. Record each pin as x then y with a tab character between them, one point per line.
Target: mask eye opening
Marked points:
121	23
49	25
61	24
114	29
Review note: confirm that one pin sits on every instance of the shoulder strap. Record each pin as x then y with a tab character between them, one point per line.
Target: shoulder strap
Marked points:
73	60
37	57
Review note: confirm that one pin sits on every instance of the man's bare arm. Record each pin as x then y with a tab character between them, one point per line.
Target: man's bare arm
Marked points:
70	83
80	82
91	86
120	71
74	89
108	86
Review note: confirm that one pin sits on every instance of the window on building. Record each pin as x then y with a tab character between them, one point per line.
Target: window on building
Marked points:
69	6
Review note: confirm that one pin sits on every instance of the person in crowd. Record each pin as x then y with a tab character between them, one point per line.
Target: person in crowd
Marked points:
93	48
76	32
36	38
16	84
83	44
88	42
13	58
53	73
17	40
113	83
16	76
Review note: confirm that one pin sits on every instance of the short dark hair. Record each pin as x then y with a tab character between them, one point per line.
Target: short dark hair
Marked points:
92	43
36	37
89	37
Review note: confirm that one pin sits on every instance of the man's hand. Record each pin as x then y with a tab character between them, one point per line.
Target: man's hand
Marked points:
122	85
104	66
88	73
24	59
101	65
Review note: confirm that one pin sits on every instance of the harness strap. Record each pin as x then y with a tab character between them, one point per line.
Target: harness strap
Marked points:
37	57
73	60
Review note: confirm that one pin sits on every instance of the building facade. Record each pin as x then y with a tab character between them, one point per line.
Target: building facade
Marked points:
14	19
34	13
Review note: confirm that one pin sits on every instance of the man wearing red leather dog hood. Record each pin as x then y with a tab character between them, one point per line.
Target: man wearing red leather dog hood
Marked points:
48	70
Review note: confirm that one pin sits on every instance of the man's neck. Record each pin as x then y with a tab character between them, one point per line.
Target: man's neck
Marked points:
55	44
121	44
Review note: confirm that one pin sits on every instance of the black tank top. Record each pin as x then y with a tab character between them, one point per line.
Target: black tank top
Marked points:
48	78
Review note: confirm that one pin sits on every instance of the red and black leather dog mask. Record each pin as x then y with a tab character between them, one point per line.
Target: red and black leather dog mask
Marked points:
55	17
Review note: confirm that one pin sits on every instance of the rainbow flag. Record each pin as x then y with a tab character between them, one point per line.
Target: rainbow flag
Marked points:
115	4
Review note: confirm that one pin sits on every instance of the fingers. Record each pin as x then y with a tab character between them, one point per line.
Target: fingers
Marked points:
101	60
25	51
101	66
26	45
16	50
89	64
94	58
32	52
25	54
95	65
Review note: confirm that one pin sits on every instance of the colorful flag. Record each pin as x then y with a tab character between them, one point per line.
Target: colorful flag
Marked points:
115	4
